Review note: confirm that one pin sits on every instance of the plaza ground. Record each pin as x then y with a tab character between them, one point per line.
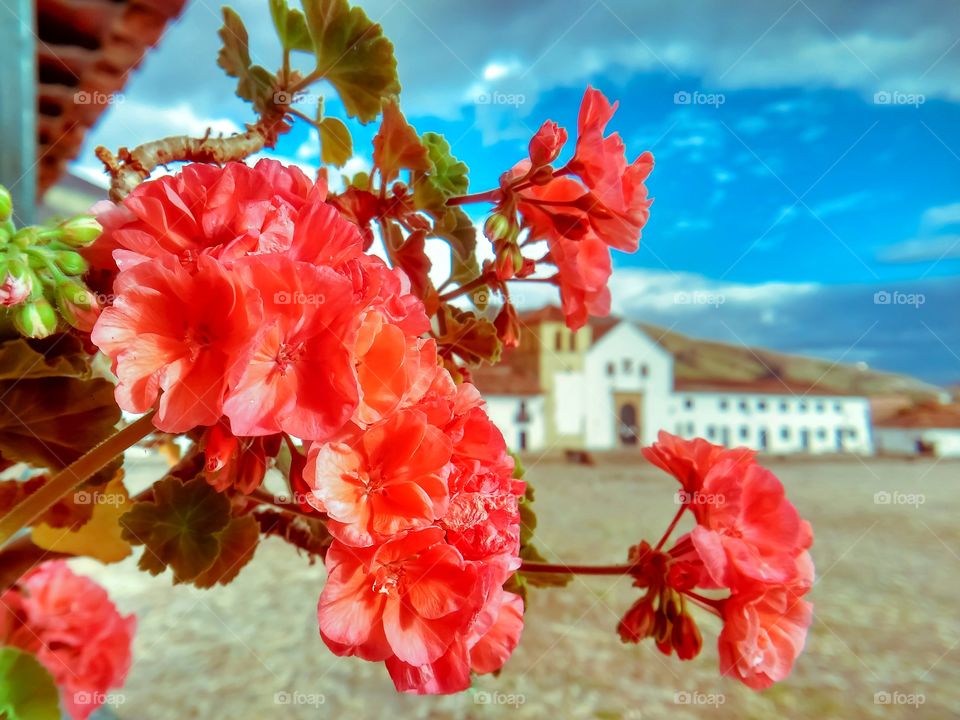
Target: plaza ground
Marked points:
885	642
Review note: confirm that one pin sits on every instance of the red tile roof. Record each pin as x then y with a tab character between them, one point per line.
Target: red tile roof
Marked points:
926	415
85	54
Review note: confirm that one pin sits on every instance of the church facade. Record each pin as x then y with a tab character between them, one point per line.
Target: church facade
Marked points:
611	386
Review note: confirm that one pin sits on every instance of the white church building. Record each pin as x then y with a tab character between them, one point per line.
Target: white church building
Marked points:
611	386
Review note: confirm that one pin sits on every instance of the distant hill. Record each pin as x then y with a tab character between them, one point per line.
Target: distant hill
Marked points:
708	361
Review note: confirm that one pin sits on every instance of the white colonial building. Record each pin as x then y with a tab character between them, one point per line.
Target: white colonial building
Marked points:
924	429
610	385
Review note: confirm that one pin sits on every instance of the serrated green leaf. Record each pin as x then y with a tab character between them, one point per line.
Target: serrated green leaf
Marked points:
180	528
529	552
336	145
27	690
472	338
291	27
56	356
397	146
238	542
456	227
234	56
447	174
353	55
50	422
254	82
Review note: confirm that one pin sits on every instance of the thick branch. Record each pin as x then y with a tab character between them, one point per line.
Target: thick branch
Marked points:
129	168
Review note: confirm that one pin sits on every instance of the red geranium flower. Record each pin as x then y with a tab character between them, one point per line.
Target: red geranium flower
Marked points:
76	633
178	334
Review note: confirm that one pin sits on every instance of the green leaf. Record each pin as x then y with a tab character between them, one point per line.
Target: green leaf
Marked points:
336	145
56	356
51	421
238	543
180	528
528	551
291	27
471	337
396	145
447	174
27	690
254	82
234	56
456	227
353	55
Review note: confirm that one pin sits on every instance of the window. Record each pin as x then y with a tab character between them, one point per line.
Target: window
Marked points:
724	404
573	342
802	407
688	404
761	405
522	444
711	432
644	370
744	432
558	341
743	405
611	369
820	407
822	434
852	433
627	366
785	433
691	430
837	407
784	407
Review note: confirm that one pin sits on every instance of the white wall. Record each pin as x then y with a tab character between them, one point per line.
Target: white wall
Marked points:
638	364
829	424
505	411
904	441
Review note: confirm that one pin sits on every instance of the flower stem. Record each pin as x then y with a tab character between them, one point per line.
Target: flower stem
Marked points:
464	289
673	524
490	196
72	477
562	568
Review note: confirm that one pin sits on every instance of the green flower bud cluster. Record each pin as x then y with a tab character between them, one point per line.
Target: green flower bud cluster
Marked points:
40	269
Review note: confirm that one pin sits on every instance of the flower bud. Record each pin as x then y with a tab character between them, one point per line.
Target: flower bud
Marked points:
77	305
36	319
497	227
70	262
686	637
6	204
17	284
507	324
546	145
509	260
80	231
638	622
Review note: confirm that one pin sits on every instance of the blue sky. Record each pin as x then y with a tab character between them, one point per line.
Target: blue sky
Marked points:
808	153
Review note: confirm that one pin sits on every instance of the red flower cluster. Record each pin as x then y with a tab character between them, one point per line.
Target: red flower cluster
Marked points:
241	293
245	302
748	540
424	508
581	221
69	624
